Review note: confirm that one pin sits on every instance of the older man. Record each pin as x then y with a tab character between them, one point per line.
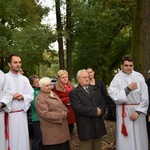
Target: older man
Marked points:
5	99
89	107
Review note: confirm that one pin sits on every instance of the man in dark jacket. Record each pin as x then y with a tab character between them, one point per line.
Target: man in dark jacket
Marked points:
89	107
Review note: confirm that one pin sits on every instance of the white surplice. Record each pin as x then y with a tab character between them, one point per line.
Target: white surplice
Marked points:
6	98
18	125
137	133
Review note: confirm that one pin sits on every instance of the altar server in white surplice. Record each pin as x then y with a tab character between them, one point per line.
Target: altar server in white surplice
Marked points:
22	97
129	91
5	99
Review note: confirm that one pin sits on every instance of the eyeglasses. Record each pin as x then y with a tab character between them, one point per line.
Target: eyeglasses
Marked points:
128	65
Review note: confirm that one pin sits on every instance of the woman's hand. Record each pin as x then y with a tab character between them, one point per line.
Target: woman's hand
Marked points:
68	104
65	114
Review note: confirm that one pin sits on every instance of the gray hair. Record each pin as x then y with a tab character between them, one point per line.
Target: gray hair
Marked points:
79	72
44	81
32	78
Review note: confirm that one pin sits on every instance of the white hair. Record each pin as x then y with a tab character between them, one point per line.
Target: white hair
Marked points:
44	81
79	72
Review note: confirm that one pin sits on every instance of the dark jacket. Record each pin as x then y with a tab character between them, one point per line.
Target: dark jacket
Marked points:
89	125
100	84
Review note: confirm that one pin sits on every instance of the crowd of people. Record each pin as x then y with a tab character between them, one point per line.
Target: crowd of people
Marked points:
56	110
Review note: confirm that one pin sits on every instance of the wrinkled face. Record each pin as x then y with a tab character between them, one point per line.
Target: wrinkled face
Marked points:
127	67
36	83
84	79
91	73
15	64
46	88
64	78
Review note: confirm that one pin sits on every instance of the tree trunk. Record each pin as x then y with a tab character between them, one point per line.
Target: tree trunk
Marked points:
141	36
59	33
69	40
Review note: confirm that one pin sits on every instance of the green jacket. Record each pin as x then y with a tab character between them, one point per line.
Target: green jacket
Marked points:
34	114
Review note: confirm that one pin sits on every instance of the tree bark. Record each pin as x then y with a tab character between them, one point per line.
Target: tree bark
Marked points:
141	36
59	33
69	40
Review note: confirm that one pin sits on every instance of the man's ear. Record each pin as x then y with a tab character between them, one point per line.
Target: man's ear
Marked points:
121	66
9	64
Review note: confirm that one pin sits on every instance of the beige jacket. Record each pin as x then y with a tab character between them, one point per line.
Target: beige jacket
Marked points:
54	128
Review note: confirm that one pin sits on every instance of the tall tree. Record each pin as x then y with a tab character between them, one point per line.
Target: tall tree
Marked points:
69	39
31	42
141	36
21	31
59	34
102	35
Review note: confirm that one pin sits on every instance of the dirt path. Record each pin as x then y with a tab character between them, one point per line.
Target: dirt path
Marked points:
107	141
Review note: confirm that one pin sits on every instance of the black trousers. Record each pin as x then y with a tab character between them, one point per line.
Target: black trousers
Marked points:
62	146
71	126
37	136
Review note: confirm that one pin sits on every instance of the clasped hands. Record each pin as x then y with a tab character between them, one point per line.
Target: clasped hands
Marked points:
18	97
65	114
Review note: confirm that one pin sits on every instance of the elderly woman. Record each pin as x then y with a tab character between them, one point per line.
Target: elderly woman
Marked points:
53	118
62	88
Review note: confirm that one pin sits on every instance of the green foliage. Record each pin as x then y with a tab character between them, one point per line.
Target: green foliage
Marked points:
102	32
30	43
102	35
19	13
21	32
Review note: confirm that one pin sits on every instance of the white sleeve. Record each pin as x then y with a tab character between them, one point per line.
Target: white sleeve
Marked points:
5	92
